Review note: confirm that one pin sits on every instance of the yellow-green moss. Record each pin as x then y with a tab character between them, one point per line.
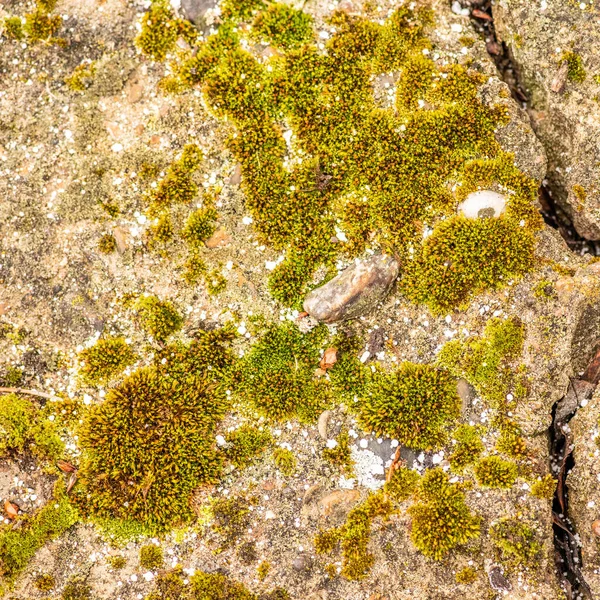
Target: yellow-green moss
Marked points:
544	487
231	518
282	26
576	71
276	376
13	28
24	428
466	575
441	520
107	243
340	454
116	561
195	270
544	290
106	359
240	10
151	557
263	570
467	449
511	441
199	226
81	78
414	404
158	318
76	589
45	582
494	472
517	542
402	485
40	26
285	461
245	445
349	377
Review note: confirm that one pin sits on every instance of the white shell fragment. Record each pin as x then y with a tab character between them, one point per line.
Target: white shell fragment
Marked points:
481	204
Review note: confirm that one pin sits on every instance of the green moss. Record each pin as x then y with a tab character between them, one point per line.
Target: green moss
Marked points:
402	485
340	454
13	28
23	428
40	26
151	557
486	362
18	546
160	232
150	444
245	445
441	520
282	26
576	71
495	472
354	536
76	589
13	376
544	290
195	270
116	561
276	376
414	403
45	582
511	442
348	377
106	359
199	226
107	244
544	487
285	461
215	282
240	10
120	532
263	570
247	552
158	318
466	576
81	78
231	518
517	542
467	449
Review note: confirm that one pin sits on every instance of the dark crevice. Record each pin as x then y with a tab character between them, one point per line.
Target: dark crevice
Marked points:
482	19
567	551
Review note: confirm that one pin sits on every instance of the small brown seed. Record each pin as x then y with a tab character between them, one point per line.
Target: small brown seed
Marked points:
11	509
596	528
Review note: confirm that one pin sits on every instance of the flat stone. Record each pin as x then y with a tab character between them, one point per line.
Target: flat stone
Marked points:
355	291
482	204
218	239
195	10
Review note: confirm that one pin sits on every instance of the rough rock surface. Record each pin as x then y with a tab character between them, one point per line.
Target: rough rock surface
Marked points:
355	291
542	38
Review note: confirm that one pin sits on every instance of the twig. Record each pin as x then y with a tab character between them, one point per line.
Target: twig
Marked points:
11	390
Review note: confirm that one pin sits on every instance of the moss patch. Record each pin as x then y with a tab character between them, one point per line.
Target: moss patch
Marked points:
494	472
151	557
158	318
106	359
245	445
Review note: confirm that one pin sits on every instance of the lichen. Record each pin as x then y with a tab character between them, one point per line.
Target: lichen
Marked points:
106	359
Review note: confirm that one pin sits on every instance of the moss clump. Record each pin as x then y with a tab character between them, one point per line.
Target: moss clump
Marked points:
348	377
160	232
485	362
543	290
402	485
441	520
199	226
106	359
544	487
40	25
158	318
340	454
511	441
466	575
285	461
18	546
13	28
45	582
231	518
240	10
23	428
151	557
516	541
215	282
245	445
195	270
576	70
150	444
81	78
276	376
263	570
354	536
117	561
107	244
467	449
282	26
76	589
247	553
413	404
495	472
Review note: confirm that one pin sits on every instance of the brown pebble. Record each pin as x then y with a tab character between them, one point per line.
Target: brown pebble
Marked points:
268	485
329	358
11	509
218	239
596	528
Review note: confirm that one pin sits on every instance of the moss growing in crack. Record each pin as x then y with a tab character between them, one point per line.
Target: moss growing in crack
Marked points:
276	376
245	445
151	557
285	461
18	546
414	404
402	485
106	359
81	78
486	362
576	71
24	428
494	472
150	444
517	542
353	536
282	26
13	28
441	520
158	318
468	447
340	454
199	226
544	487
107	244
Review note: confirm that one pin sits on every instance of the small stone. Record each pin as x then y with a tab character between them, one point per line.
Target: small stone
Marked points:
120	235
483	204
497	580
302	563
322	423
338	499
218	239
596	528
329	359
195	10
353	292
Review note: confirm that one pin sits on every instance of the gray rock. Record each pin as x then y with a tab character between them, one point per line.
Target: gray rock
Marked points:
498	581
353	292
302	563
195	10
562	109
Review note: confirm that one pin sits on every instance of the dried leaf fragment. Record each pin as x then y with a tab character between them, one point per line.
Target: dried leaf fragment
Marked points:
72	481
479	14
65	467
11	509
560	79
329	359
